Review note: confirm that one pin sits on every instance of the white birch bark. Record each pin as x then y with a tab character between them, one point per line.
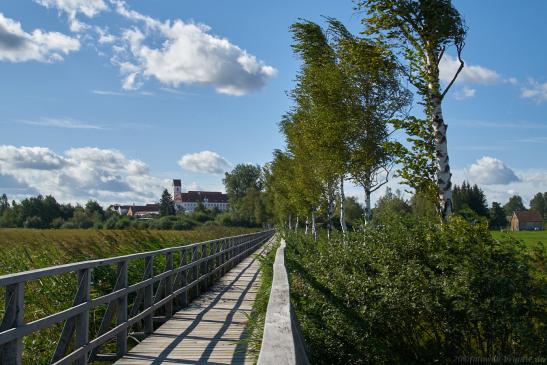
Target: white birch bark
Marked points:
290	222
296	225
342	207
443	175
307	230
313	225
368	209
444	183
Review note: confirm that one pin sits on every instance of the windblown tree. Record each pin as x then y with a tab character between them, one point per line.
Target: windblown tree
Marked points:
421	31
321	113
305	164
375	97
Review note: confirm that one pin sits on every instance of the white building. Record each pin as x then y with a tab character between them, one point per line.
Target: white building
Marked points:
190	200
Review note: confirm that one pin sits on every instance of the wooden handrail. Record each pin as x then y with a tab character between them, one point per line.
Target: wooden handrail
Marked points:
282	342
199	263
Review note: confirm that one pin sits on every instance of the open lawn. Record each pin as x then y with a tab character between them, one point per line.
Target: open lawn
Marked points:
528	237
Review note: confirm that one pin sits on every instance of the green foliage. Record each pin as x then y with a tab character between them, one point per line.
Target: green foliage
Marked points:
414	292
390	206
538	204
167	206
467	197
423	206
513	205
241	178
497	216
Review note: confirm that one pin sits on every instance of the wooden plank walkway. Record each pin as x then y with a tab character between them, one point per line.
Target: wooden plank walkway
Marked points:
210	329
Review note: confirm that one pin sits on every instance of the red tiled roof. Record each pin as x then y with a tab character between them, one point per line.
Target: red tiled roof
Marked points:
528	216
145	208
201	196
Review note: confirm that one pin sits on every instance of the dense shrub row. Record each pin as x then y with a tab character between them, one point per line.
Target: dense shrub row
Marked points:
413	292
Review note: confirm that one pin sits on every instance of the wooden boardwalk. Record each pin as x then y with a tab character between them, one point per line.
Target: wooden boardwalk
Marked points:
210	329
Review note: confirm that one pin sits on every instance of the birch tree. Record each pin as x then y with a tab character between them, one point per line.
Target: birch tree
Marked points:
321	111
375	97
422	30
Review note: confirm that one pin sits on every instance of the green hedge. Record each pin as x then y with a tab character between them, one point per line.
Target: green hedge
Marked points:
414	292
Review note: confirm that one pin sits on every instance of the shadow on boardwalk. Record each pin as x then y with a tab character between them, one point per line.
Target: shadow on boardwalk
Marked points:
211	330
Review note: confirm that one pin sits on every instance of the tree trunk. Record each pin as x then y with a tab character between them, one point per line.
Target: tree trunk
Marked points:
330	208
307	226
444	176
342	207
290	222
296	225
313	225
368	209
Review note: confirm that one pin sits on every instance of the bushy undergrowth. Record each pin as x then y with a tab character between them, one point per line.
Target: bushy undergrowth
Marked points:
25	249
415	292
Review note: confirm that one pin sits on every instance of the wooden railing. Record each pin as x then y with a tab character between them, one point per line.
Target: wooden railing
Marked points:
198	265
282	342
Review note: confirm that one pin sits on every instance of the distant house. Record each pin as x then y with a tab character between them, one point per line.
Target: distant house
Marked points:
144	210
526	221
120	209
190	200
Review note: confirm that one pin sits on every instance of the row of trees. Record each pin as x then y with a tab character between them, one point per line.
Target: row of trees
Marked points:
351	95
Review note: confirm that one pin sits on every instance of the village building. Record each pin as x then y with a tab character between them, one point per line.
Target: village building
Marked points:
120	209
526	221
187	202
147	210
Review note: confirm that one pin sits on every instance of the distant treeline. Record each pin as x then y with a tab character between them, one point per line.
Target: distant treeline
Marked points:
248	208
469	202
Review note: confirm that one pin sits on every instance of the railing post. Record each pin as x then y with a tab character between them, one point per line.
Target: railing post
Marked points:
195	270
169	284
203	267
184	279
81	324
148	295
12	352
121	310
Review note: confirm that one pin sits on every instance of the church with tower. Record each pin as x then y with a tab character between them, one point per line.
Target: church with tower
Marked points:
187	202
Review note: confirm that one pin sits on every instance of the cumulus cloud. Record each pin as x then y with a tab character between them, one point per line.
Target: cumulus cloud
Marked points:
535	90
465	93
16	45
186	54
89	8
205	161
471	73
490	171
79	174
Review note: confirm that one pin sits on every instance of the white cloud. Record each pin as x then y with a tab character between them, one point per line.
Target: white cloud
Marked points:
62	123
529	183
16	45
491	171
89	8
465	93
186	54
470	73
79	174
535	90
205	161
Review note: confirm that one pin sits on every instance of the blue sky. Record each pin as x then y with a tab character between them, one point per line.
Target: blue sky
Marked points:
109	99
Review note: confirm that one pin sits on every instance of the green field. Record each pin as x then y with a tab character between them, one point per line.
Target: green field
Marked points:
528	237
